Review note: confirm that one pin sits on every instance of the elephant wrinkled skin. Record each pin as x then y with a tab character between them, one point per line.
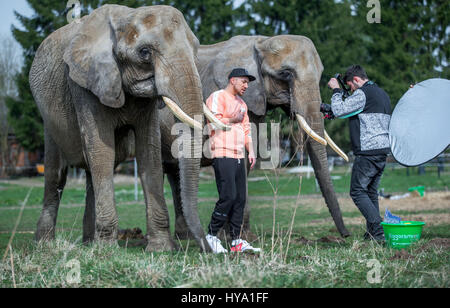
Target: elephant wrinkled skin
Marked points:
98	84
287	70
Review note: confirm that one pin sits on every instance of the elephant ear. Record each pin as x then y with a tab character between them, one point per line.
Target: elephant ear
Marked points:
91	61
318	63
240	52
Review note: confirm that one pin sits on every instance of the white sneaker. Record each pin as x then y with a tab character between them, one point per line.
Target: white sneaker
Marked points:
215	244
242	246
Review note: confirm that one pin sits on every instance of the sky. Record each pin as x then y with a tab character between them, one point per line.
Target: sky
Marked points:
7	17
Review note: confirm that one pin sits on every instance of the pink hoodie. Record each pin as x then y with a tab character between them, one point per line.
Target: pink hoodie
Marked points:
230	143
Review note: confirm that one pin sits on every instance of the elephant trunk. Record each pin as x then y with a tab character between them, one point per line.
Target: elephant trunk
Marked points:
306	102
318	155
181	83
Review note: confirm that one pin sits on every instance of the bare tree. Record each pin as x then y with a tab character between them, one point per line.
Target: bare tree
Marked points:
10	62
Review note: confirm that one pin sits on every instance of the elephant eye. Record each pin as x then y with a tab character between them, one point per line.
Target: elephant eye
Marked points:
145	53
285	75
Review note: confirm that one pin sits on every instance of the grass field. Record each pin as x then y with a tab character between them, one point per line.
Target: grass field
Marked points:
301	247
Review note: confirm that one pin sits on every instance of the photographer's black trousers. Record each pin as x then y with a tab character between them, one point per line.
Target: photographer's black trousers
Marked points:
366	176
231	184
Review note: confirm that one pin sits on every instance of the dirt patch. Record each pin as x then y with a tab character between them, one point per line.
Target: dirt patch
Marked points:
429	219
401	255
331	239
436	243
248	256
316	204
302	241
431	201
326	239
130	234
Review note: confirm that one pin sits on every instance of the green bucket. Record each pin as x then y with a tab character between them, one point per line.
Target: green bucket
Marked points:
419	189
403	234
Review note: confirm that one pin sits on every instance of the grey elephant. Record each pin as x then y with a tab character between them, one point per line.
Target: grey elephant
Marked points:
98	84
288	70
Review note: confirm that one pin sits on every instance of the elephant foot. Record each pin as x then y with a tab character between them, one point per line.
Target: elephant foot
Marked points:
106	235
88	238
45	228
184	235
44	234
141	243
345	233
182	231
160	244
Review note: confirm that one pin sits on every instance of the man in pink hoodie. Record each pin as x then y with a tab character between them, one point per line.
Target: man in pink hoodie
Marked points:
228	153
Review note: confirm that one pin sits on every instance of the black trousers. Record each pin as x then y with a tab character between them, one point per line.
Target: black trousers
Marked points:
230	180
366	176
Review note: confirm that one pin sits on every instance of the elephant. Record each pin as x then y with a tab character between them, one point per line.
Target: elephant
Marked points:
287	70
98	84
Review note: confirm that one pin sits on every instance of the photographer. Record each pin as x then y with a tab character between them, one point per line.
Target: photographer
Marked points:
369	113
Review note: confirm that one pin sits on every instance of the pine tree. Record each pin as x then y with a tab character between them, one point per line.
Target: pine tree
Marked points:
211	21
409	45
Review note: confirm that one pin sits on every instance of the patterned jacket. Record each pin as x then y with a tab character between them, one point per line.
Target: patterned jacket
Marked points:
369	111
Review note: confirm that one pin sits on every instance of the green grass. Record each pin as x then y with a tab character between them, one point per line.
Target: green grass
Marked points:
314	265
393	181
285	262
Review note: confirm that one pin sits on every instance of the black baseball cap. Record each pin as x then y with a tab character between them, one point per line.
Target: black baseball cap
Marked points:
241	72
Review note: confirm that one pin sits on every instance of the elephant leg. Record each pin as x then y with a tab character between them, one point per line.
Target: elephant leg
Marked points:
182	231
100	154
247	234
148	157
55	180
89	213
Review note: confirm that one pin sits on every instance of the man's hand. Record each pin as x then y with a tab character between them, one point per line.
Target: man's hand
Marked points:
252	160
327	112
333	84
238	118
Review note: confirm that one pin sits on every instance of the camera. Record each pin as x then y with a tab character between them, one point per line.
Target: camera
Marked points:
343	86
326	108
327	112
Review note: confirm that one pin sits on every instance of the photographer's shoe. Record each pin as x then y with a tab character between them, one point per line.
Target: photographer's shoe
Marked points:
243	246
379	238
215	244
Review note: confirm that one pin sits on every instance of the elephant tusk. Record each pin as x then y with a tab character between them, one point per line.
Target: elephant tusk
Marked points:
301	120
334	146
180	114
209	115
